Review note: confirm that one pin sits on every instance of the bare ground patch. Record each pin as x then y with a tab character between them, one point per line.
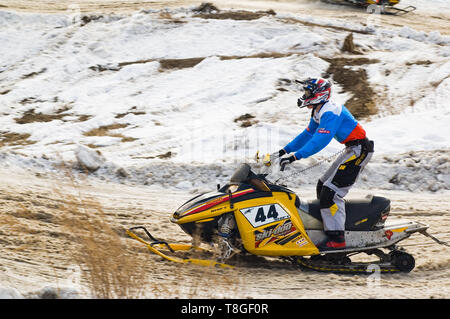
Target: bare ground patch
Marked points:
105	131
235	15
262	55
246	120
14	139
362	104
312	24
174	64
168	154
167	64
349	46
31	117
133	111
210	11
33	74
166	16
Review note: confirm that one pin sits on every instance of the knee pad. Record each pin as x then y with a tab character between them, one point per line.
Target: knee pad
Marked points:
319	188
326	197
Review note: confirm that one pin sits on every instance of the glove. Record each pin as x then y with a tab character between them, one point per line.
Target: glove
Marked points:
281	152
286	160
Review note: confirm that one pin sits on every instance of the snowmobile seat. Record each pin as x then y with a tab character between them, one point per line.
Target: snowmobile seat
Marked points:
361	214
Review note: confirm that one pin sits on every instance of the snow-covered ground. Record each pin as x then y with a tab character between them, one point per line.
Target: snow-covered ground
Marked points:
63	76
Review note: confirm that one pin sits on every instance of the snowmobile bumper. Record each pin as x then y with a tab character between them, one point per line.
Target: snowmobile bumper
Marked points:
373	7
156	245
398	11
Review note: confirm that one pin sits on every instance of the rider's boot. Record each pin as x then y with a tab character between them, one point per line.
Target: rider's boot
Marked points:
335	240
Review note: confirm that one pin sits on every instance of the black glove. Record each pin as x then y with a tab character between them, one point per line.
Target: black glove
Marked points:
281	152
286	160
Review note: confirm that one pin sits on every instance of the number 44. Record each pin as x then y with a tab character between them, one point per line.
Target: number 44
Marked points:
261	217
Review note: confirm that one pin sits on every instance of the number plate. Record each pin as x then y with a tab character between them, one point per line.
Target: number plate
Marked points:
265	214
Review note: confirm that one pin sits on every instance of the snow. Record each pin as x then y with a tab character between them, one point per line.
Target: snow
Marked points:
182	122
10	293
47	292
435	6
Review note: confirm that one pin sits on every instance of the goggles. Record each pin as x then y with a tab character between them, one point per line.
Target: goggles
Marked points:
307	93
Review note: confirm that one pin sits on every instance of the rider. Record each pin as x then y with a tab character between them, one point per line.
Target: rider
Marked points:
329	120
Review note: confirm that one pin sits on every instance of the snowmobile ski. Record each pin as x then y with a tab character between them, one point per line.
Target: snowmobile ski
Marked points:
152	247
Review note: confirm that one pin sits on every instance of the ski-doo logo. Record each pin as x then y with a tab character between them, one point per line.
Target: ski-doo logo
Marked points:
266	214
277	230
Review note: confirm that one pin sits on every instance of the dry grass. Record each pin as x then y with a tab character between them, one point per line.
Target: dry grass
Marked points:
109	267
114	266
117	267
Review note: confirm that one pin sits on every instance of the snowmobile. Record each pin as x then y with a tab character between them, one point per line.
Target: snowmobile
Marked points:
381	6
272	221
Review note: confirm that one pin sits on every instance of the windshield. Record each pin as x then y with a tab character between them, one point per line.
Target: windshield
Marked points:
245	175
241	174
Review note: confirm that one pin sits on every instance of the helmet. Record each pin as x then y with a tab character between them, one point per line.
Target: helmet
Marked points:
316	91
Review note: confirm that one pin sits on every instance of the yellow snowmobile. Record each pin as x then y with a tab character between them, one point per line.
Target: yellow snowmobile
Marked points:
271	220
382	6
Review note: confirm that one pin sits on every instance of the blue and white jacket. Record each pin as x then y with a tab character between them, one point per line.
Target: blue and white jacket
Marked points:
332	120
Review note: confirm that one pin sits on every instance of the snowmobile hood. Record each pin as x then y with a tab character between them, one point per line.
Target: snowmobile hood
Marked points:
206	201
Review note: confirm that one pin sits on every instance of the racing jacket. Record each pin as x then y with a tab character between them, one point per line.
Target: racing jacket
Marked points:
332	120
